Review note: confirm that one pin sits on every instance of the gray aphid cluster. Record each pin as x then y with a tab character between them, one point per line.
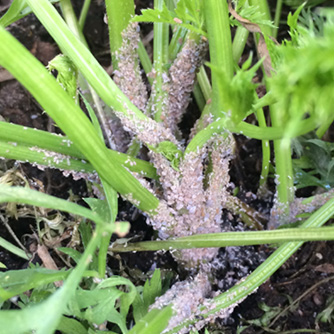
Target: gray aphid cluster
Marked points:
191	196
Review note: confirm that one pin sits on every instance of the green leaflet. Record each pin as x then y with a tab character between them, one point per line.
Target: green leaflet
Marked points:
153	322
14	282
186	12
151	290
17	11
170	152
66	74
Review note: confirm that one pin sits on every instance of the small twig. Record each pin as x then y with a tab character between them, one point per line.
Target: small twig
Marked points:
48	261
313	287
12	233
5	75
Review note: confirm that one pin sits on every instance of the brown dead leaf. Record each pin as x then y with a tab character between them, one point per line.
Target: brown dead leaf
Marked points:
264	53
4	5
250	26
48	261
327	268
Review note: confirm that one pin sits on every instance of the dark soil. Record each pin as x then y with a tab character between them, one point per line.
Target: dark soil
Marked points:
295	296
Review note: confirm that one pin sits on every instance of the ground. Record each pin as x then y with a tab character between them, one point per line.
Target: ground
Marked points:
292	300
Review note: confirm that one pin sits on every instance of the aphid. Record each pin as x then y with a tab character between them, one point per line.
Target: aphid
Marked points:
177	20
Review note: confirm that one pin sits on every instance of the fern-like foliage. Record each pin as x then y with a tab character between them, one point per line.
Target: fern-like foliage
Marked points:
187	14
251	13
303	85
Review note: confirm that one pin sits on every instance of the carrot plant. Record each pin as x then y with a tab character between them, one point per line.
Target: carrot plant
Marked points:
183	187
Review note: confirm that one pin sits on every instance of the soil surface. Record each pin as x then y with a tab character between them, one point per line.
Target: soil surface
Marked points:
297	298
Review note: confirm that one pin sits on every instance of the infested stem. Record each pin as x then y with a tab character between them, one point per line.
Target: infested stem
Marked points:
235	295
301	207
43	159
128	78
20	138
182	76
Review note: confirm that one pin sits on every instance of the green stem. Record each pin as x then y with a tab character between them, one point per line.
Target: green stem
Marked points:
263	8
239	42
170	4
33	197
285	191
324	127
160	40
179	36
282	148
112	201
103	252
246	129
71	20
220	44
204	83
119	15
145	60
83	14
277	18
15	133
262	190
160	59
13	249
228	239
